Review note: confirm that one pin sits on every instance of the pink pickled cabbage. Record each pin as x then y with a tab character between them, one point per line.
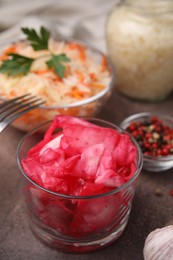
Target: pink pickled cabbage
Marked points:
82	159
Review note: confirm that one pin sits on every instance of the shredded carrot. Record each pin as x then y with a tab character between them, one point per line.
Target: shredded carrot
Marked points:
80	76
93	76
97	85
73	111
12	93
57	79
11	49
76	93
45	71
41	72
36	114
80	48
104	63
67	70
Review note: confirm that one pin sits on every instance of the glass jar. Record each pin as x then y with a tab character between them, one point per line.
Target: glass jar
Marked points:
139	36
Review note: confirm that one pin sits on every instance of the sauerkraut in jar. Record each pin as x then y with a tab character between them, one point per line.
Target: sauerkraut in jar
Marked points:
139	35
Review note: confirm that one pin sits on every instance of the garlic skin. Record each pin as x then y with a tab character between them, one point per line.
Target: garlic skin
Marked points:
159	244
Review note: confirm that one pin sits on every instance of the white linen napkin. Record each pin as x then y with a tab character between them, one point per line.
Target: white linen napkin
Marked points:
83	20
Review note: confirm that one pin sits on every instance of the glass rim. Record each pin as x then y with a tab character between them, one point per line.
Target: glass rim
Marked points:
114	191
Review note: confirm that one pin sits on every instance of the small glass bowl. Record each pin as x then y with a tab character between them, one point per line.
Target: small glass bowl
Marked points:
152	163
56	219
88	107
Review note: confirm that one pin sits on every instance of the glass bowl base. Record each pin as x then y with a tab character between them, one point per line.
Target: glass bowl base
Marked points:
76	245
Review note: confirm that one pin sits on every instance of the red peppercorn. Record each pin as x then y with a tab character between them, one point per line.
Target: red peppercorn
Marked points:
158	128
167	138
159	152
146	145
148	135
165	151
135	133
168	146
147	153
154	119
132	127
155	145
166	129
171	192
154	137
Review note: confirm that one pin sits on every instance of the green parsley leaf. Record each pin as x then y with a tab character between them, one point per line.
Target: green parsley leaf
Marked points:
38	42
56	62
17	65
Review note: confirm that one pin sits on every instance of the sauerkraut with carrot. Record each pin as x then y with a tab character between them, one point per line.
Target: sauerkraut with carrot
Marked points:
139	40
85	74
62	73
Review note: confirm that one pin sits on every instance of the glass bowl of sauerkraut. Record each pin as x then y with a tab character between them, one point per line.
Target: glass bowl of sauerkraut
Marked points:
71	77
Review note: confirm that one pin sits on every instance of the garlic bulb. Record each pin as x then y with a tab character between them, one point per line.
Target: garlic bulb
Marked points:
159	244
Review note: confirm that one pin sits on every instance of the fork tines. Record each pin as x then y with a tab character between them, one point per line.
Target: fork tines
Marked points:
14	108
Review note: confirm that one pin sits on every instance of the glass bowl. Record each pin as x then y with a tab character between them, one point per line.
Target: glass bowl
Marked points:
88	105
153	163
76	223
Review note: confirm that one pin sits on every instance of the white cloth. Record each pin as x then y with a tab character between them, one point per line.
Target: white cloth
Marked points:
80	19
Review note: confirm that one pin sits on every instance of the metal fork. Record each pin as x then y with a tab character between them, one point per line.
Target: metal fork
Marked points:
14	108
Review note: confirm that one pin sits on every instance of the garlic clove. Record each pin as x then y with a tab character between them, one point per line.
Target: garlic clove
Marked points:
159	244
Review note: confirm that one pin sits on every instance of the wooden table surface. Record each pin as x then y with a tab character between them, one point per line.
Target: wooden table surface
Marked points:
149	211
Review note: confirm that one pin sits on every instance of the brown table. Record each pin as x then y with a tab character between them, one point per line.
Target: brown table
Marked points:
149	210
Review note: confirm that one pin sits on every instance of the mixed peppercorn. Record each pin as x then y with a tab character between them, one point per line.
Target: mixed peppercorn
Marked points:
154	137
